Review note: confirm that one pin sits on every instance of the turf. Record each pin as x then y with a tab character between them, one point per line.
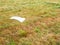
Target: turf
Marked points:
41	27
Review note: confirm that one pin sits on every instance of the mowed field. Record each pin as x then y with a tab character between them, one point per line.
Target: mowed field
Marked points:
41	27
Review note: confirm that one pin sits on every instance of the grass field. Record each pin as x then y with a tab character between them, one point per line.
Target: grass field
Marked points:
41	27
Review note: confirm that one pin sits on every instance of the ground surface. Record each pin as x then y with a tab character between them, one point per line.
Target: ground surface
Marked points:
41	27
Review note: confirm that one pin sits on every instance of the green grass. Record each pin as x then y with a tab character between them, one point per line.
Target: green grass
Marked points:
22	33
26	42
11	42
42	23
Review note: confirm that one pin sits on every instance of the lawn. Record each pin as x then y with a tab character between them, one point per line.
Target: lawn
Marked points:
41	27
